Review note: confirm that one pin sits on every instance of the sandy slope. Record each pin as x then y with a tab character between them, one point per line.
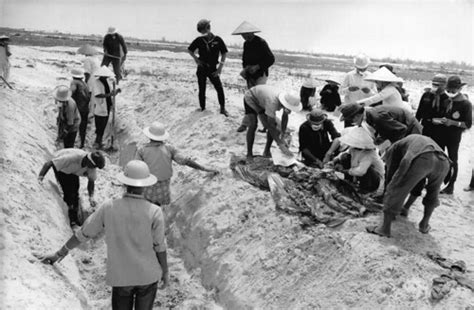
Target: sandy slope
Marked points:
226	232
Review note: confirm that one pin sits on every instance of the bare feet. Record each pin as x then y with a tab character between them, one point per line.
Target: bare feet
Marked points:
377	231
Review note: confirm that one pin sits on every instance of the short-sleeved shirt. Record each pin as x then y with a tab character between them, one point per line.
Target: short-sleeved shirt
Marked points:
134	233
97	106
91	63
159	158
69	161
209	49
69	113
264	99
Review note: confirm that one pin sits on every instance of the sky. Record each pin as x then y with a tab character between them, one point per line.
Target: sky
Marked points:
418	29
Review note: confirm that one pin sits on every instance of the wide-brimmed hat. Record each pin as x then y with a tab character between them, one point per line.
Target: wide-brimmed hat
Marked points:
4	37
439	79
290	101
156	132
309	83
111	30
332	81
62	93
454	82
203	24
389	67
87	50
383	75
361	61
77	73
245	27
358	137
316	116
104	71
136	173
349	110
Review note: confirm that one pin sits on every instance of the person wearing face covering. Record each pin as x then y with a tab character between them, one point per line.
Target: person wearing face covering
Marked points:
456	119
314	138
433	104
354	86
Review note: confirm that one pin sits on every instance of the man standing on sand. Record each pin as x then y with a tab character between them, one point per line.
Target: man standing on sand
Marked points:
69	117
209	47
4	57
263	101
136	244
113	44
408	162
68	166
257	58
354	87
81	95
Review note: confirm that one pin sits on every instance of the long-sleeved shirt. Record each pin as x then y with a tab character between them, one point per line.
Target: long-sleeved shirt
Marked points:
389	95
257	52
460	110
134	233
317	142
354	78
69	114
159	157
112	44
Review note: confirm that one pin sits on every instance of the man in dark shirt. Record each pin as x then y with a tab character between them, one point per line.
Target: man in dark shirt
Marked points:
458	117
209	47
256	59
114	45
433	104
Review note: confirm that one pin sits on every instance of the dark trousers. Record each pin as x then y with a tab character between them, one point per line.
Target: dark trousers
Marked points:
142	296
451	144
70	186
203	74
69	139
83	126
116	63
100	124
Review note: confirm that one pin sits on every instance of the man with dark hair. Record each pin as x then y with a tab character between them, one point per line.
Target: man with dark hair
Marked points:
136	245
115	51
68	166
209	47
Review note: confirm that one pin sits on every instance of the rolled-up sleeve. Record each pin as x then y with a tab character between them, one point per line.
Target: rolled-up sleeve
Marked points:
158	231
94	224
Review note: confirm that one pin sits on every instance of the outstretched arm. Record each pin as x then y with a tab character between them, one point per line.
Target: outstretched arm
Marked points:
45	170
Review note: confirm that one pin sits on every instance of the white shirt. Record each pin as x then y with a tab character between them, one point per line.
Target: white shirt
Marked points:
389	96
91	64
97	106
355	78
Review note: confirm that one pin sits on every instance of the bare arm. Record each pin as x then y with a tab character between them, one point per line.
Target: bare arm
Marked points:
45	170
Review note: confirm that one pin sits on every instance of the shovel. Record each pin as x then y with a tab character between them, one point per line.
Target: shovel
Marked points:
5	81
112	147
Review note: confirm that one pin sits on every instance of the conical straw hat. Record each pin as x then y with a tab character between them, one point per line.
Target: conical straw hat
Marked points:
384	75
87	50
245	27
104	71
358	137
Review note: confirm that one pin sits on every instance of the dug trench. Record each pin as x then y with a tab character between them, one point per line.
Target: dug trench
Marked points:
229	247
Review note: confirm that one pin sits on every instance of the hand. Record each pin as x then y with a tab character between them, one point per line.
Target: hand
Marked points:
253	69
318	163
164	280
217	72
365	90
118	91
284	149
40	178
353	88
199	62
124	57
213	173
327	158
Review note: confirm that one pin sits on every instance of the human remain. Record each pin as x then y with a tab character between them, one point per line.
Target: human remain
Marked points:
136	244
209	66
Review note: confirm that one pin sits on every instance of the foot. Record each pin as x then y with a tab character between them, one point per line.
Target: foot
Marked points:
424	229
267	155
404	212
377	231
224	112
263	130
447	190
203	109
469	188
242	128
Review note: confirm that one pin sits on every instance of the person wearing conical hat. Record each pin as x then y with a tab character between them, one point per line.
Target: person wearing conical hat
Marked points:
115	51
353	86
136	243
257	58
101	88
403	91
159	156
388	93
330	98
81	95
209	47
263	101
4	57
69	117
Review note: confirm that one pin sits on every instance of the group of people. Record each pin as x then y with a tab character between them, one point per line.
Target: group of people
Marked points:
385	149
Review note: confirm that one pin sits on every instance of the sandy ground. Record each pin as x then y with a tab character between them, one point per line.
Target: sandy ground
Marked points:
230	248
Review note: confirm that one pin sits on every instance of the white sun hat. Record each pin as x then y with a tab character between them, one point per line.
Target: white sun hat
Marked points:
383	75
62	93
361	61
309	83
87	50
156	132
104	71
111	30
136	173
290	101
245	27
358	137
77	73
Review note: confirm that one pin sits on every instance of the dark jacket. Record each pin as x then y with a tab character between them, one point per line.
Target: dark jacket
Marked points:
81	95
112	43
257	52
317	142
392	123
330	98
428	109
459	110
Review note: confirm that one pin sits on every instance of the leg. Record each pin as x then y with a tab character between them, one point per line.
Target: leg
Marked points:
106	61
122	298
116	63
414	194
100	124
471	184
145	296
216	81
252	128
304	97
202	77
264	120
69	139
70	186
83	127
452	145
